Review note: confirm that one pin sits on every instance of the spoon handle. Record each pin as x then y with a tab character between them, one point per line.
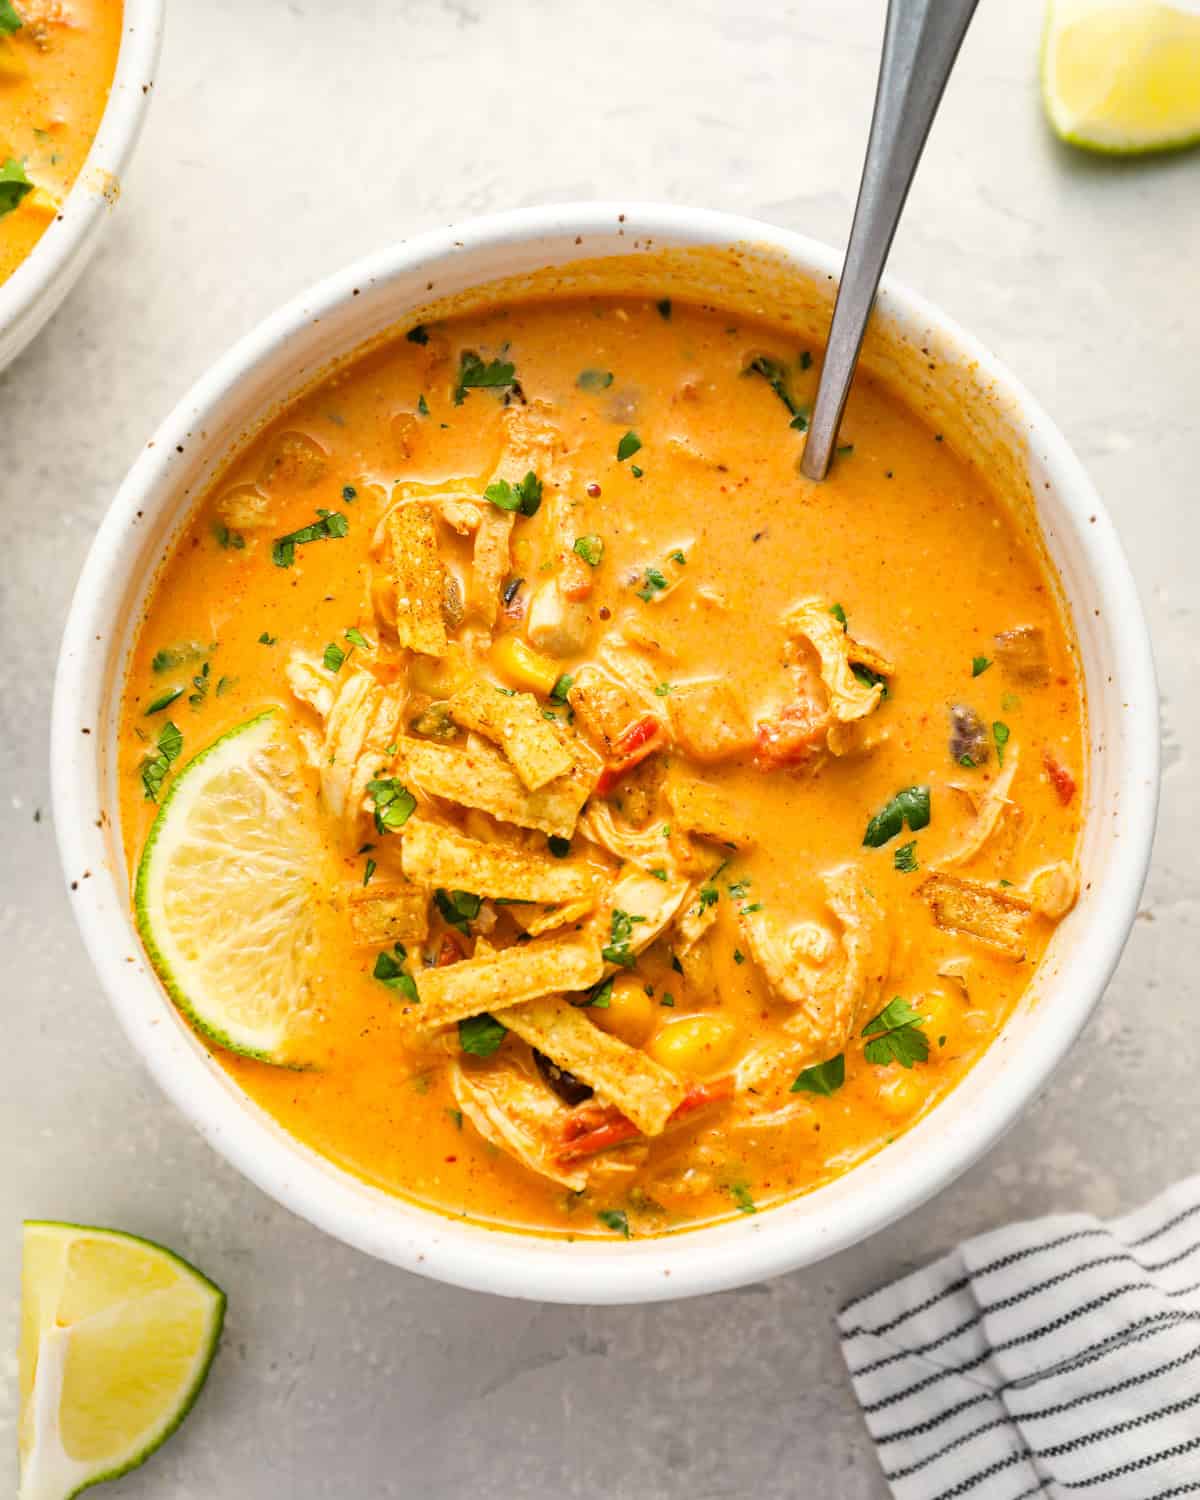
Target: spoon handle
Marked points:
919	47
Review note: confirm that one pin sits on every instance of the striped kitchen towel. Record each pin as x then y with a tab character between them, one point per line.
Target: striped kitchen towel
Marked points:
1059	1357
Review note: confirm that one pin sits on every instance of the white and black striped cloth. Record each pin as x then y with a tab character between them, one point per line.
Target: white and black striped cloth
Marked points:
1056	1358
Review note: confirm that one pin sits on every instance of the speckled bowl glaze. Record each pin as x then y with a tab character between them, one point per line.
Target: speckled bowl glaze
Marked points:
39	284
682	252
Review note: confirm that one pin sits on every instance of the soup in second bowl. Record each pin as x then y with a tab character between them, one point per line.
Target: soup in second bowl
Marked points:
554	809
57	59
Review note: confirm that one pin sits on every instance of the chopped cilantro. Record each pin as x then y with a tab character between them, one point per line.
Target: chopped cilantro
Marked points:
562	686
10	21
655	582
754	906
910	806
394	804
598	999
668	1000
558	846
677	556
635	471
868	678
618	950
776	376
664	308
349	494
738	956
659	874
709	895
200	683
896	1036
224	684
524	497
456	1115
178	656
844	450
369	871
164	700
356	638
739	888
268	640
156	767
422	405
594	380
418	334
329	524
590	548
662	690
905	858
389	969
979	665
628	446
458	908
481	1035
823	1078
13	182
1000	733
333	657
227	538
805	360
474	374
615	1219
839	614
740	1194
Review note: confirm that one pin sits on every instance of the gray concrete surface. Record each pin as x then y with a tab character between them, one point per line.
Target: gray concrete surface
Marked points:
288	137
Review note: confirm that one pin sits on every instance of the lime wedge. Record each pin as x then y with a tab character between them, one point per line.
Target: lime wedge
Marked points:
227	891
117	1335
1122	76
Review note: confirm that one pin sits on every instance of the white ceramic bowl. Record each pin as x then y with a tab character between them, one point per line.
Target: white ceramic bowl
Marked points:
48	273
755	265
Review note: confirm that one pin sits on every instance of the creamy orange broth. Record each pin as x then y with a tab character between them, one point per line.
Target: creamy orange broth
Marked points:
55	72
928	565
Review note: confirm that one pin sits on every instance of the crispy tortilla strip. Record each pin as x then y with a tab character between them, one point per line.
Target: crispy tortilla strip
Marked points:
435	854
867	656
418	577
525	971
515	723
518	1114
834	983
705	811
996	815
388	912
997	918
535	921
490	562
477	775
642	1090
849	699
606	707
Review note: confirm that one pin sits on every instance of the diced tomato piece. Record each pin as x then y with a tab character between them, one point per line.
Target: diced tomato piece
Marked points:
450	952
632	747
600	1128
1060	778
791	738
575	578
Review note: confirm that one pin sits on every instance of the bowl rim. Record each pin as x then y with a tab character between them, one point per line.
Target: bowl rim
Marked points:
458	1252
62	249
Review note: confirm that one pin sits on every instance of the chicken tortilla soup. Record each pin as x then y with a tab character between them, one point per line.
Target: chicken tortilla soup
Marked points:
57	59
552	808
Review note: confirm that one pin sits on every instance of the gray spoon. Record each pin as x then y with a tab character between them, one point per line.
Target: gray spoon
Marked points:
920	44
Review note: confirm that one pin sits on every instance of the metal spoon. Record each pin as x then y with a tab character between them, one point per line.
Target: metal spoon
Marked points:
920	44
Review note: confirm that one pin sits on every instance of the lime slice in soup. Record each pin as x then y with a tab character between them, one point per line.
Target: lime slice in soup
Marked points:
226	892
1122	76
117	1335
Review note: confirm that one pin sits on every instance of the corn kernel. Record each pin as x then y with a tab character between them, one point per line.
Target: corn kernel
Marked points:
941	1015
696	1045
630	1013
901	1093
523	666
